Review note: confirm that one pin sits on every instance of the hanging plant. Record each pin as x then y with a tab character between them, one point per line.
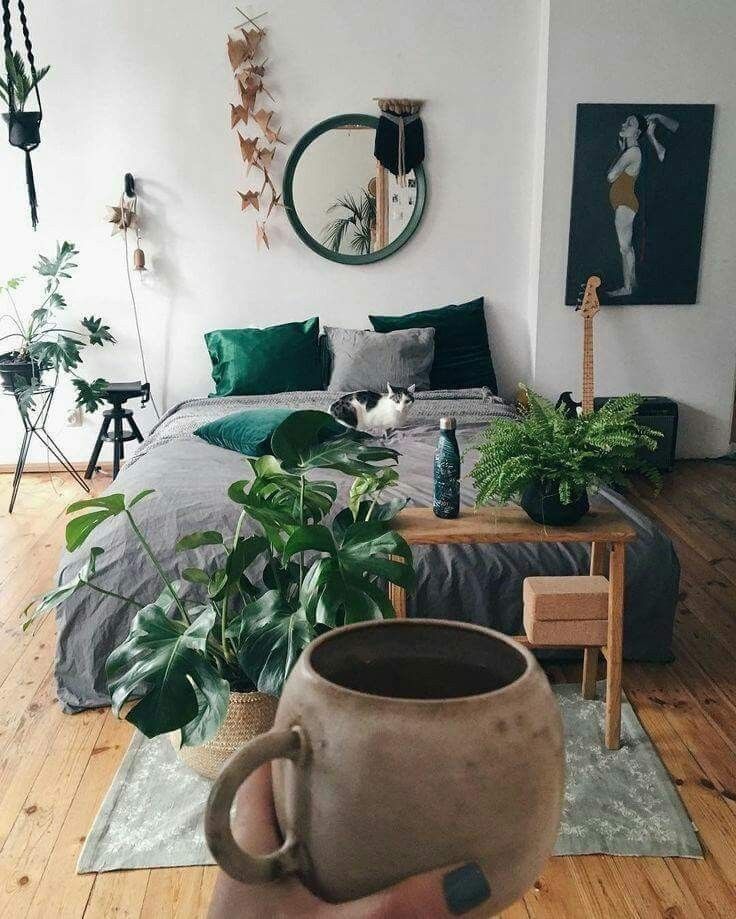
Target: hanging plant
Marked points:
249	67
24	127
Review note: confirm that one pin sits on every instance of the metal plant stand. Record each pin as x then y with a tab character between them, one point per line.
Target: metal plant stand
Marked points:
34	424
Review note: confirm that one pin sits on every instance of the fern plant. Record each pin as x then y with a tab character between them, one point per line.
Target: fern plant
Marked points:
550	450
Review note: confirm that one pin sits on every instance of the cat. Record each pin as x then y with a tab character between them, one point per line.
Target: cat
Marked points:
372	411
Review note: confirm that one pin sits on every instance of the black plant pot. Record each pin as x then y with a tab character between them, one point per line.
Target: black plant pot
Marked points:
24	129
12	371
543	505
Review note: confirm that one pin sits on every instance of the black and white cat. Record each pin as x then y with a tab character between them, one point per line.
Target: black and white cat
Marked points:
374	412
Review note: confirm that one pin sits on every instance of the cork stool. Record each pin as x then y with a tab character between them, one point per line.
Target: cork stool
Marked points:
571	612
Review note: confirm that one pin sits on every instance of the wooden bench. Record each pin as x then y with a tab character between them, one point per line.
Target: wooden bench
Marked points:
607	531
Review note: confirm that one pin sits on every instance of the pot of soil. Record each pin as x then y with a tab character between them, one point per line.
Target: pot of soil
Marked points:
542	503
248	715
12	370
24	129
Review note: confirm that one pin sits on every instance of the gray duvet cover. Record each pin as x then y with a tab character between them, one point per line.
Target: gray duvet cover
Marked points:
479	584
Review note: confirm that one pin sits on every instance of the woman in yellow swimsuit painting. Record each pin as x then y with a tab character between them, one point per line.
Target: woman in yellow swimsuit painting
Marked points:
622	177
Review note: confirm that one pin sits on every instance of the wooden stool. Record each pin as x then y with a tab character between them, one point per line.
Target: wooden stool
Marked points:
572	612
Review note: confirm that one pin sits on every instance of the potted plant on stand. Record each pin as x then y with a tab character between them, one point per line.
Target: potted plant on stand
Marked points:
18	85
209	665
41	343
548	461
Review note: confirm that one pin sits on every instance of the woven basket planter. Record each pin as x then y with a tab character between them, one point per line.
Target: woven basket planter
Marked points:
248	715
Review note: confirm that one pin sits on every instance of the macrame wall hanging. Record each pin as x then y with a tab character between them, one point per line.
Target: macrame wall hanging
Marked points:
249	67
15	90
399	143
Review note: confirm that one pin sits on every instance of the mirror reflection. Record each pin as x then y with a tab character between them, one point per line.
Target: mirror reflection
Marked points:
344	199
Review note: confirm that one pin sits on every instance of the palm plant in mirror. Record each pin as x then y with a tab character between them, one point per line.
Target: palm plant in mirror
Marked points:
356	225
250	610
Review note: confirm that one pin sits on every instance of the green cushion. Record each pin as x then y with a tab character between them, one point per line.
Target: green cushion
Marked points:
462	358
246	432
253	362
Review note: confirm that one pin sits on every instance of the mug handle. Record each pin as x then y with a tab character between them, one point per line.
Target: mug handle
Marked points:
251	869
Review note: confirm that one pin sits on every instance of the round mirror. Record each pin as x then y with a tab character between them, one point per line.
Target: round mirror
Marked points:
342	203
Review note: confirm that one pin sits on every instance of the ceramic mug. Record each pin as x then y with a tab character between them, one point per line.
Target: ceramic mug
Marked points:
401	746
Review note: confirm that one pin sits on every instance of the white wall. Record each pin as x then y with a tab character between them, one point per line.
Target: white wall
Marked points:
653	51
145	87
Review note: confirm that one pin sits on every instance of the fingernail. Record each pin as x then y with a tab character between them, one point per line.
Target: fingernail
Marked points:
465	888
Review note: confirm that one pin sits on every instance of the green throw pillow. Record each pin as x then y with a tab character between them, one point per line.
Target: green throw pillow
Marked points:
462	358
247	432
253	362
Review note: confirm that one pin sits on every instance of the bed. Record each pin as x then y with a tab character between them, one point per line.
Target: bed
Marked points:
480	584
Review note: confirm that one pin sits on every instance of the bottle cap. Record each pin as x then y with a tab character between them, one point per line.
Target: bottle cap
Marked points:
447	423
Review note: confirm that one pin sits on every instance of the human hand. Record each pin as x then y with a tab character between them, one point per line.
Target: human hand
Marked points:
437	894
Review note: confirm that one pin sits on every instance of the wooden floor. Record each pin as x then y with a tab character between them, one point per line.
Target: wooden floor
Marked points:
55	769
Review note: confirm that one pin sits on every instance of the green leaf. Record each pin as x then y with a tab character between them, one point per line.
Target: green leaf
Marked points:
195	576
98	332
78	530
314	440
200	538
90	396
272	639
307	539
164	661
63	592
140	496
340	588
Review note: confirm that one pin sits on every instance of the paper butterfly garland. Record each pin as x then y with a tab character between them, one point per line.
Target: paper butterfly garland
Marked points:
249	68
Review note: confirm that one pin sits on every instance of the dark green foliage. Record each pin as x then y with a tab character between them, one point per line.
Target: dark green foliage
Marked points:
573	454
267	595
359	223
48	346
20	81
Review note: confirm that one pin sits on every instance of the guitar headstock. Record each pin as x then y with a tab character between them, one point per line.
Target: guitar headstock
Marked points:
589	303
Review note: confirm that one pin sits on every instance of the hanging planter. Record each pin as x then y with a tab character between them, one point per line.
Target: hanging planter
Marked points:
24	127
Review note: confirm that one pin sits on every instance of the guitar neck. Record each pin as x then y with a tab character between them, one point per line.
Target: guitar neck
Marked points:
588	381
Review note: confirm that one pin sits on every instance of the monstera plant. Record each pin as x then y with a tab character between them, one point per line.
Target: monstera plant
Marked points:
264	596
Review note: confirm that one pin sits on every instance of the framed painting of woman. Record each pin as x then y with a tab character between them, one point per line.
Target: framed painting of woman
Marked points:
639	190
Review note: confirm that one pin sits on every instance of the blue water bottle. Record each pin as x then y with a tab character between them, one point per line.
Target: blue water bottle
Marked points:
447	471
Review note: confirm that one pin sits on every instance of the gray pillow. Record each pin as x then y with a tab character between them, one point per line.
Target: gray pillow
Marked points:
369	360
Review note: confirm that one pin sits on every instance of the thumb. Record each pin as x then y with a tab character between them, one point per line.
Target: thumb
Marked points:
437	894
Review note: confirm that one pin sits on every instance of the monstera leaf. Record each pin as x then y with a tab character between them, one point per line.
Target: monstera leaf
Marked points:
314	440
53	598
104	507
163	660
304	501
272	637
341	587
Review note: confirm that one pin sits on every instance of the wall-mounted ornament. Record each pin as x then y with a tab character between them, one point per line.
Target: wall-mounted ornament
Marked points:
399	143
249	67
124	218
15	90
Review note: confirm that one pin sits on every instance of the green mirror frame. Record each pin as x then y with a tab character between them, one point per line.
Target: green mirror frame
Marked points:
338	121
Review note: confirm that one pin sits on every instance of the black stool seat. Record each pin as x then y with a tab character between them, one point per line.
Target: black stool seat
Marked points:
117	394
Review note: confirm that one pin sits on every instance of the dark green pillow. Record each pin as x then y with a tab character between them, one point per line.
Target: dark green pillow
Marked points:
247	432
254	362
462	358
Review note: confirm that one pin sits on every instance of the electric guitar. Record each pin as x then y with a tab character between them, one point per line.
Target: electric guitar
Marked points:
588	306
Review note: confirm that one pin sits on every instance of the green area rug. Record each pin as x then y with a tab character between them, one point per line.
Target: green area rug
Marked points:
618	802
